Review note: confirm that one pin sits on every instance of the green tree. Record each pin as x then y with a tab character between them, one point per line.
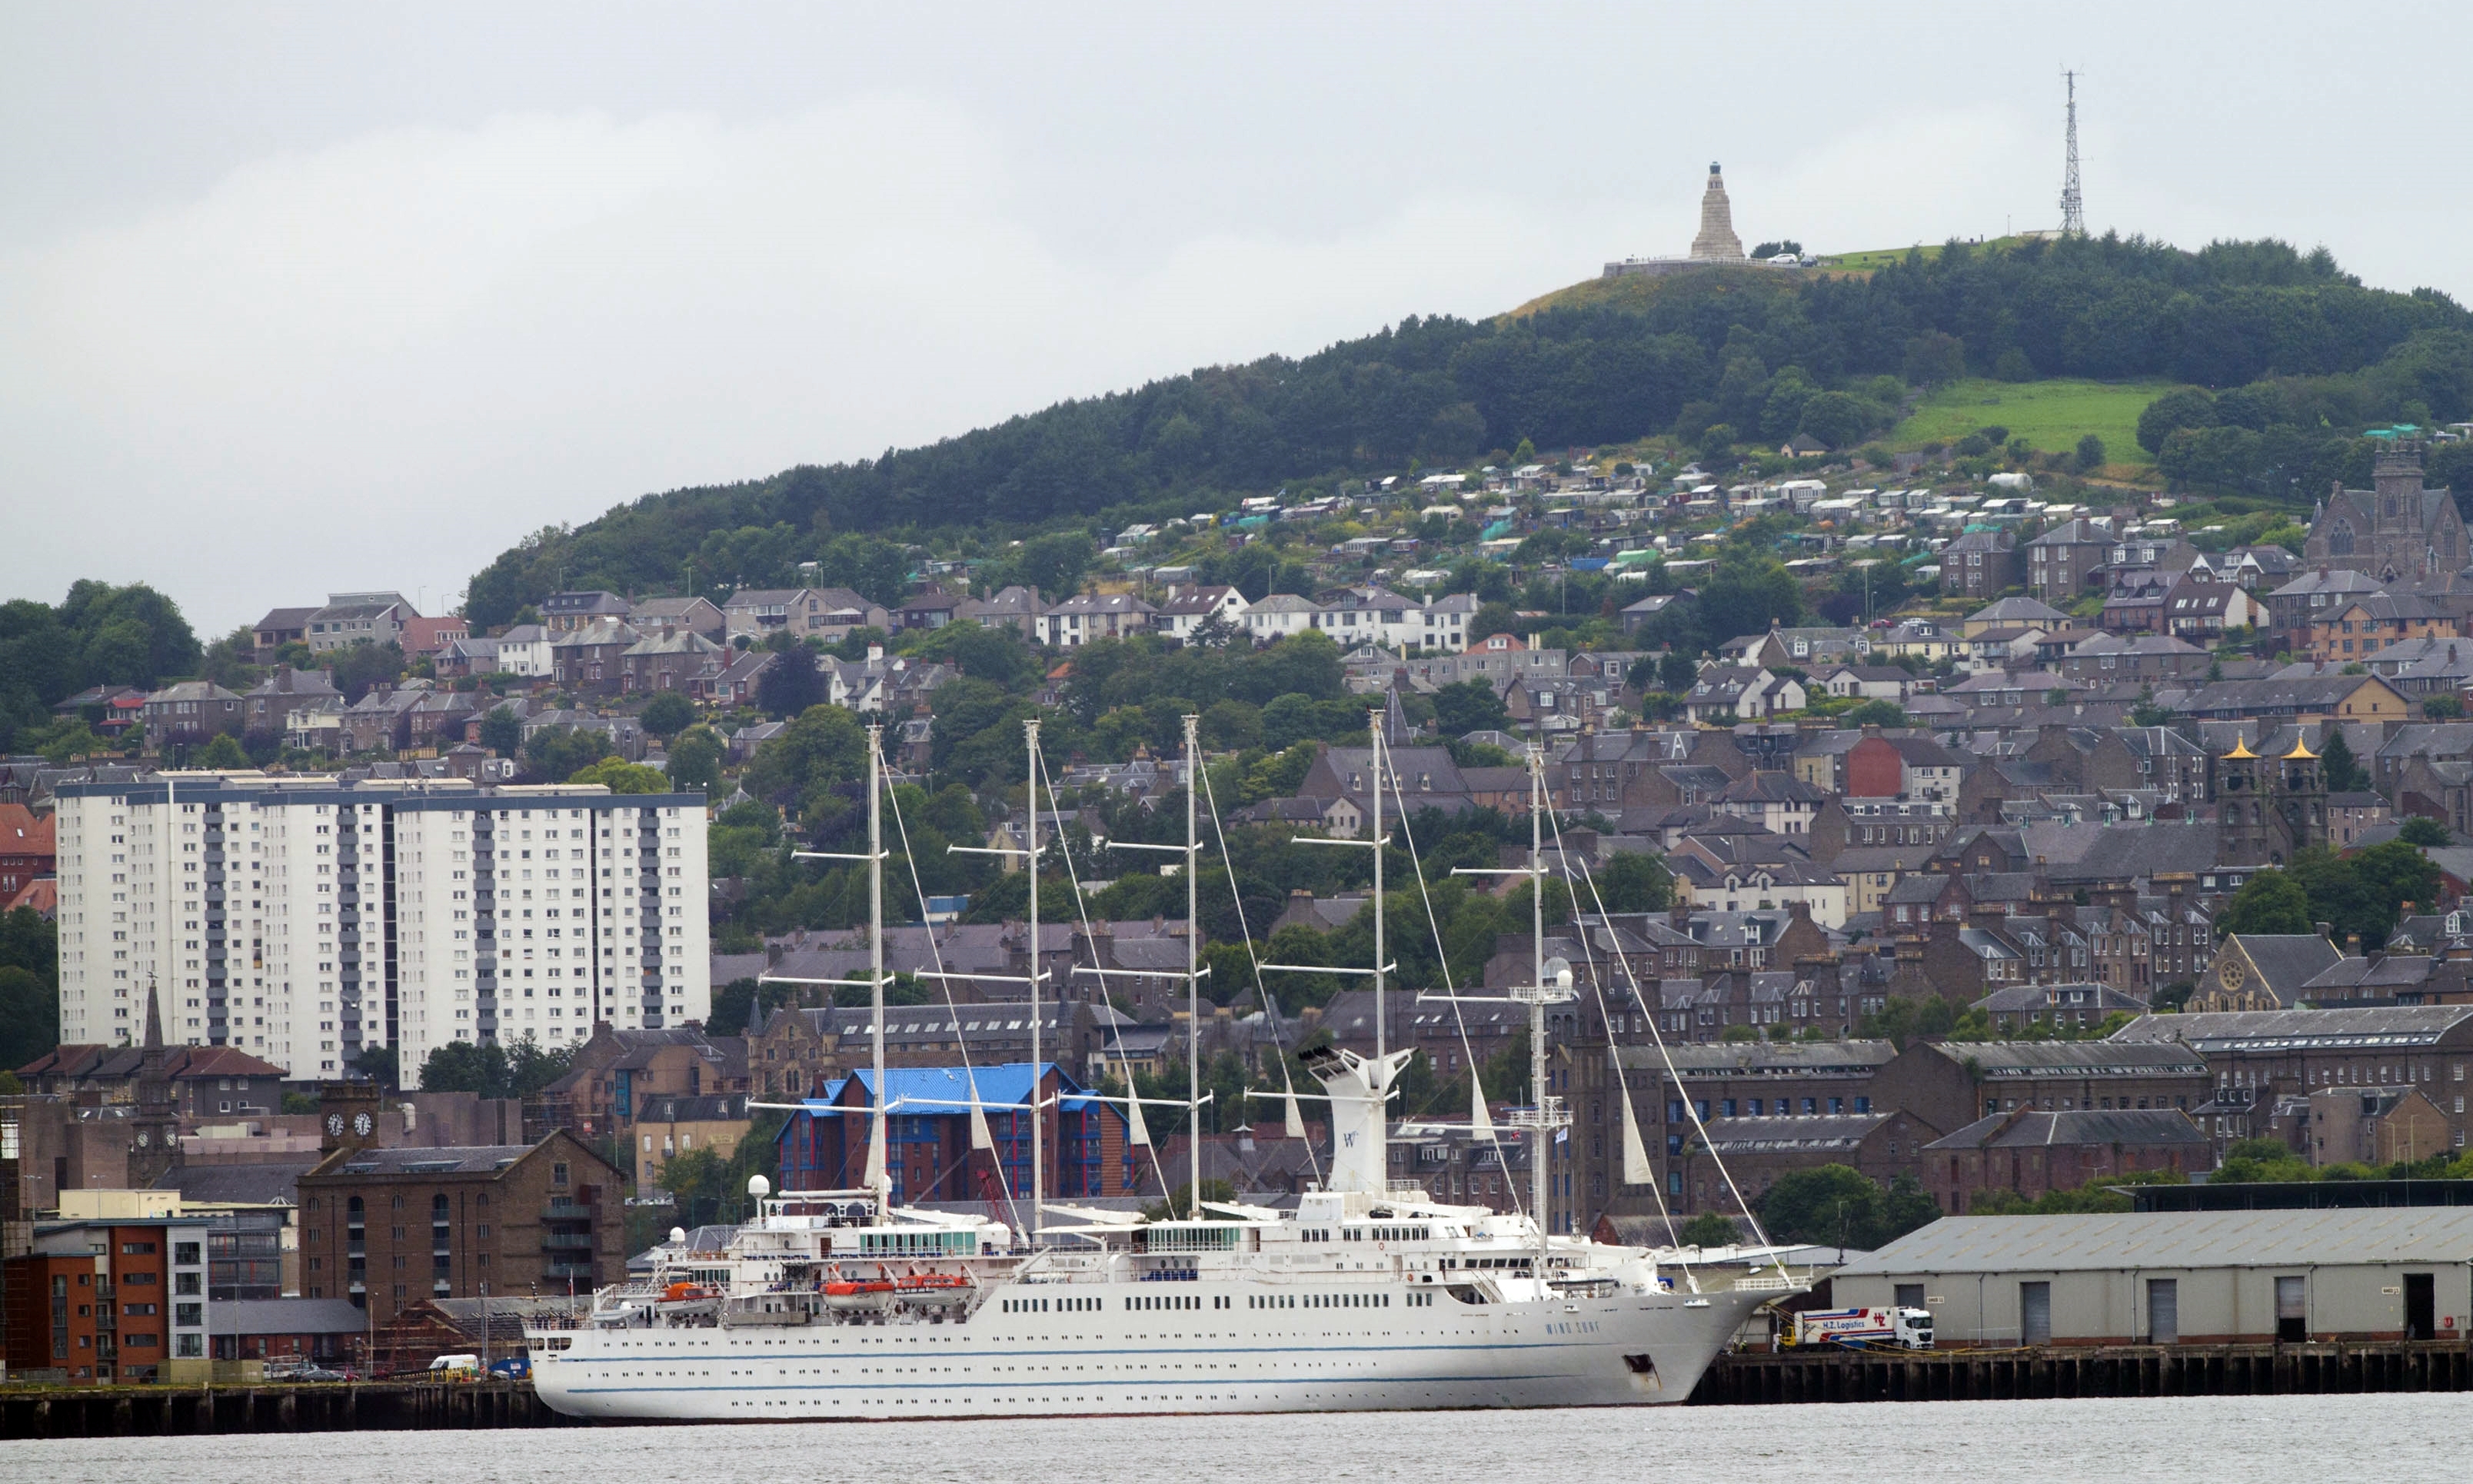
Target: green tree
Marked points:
502	732
556	753
29	1014
71	739
2270	902
2336	760
2090	454
2442	708
365	667
1750	593
1836	418
824	746
1836	1205
695	758
220	752
2423	830
1463	706
379	1064
1492	618
1635	881
2172	411
1876	713
791	684
669	714
1709	1228
621	777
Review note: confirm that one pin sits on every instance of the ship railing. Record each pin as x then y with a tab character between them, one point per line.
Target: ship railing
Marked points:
1768	1283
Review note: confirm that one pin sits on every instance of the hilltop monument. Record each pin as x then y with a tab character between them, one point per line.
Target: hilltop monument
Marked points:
1717	242
1716	245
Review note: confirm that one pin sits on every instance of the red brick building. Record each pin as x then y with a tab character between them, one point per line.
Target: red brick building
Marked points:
2029	1151
26	849
108	1301
388	1227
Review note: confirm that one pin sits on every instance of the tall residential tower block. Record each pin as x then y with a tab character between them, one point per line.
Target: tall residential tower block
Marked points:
307	921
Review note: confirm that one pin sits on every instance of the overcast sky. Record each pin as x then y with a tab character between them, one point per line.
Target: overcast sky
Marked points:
298	298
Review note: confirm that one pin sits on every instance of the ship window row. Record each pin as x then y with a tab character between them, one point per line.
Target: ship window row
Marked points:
1386	1233
1051	1305
1321	1300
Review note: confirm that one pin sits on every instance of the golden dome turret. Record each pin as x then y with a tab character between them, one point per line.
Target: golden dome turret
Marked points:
2241	750
2300	753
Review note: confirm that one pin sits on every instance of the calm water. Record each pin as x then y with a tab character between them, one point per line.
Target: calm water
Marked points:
2249	1438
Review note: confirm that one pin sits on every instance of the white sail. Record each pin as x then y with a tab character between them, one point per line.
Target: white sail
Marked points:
979	1136
1636	1169
1480	1122
1296	1118
1137	1132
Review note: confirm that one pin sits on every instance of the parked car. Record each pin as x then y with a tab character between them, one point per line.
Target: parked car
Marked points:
317	1373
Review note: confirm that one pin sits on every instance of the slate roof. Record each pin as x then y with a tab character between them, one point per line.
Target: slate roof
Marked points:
2109	1058
2129	1241
1821	1133
2271	1030
2026	1128
285	1316
2287	961
477	1159
1781	1059
237	1185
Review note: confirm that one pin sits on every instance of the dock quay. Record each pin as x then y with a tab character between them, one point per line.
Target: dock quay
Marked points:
1831	1376
141	1411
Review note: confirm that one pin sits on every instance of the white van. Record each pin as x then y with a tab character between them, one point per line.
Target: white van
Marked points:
455	1365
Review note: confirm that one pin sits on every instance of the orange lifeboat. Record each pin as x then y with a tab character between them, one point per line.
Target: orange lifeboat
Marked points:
925	1281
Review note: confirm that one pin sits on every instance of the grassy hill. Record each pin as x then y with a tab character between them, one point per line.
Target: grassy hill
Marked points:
1727	361
2052	415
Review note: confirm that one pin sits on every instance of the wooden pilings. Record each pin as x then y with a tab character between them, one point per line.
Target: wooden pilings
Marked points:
127	1411
2110	1371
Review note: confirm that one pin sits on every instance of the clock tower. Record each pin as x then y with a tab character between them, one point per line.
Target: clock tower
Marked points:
347	1114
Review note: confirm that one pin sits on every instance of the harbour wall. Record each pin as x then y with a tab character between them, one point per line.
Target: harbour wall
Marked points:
1833	1376
150	1411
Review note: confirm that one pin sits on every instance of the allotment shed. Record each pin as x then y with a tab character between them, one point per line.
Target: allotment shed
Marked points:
2181	1278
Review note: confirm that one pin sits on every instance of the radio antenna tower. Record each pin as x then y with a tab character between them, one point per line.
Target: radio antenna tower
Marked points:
2073	204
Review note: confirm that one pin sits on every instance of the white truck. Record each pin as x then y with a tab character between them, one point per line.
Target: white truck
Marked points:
1864	1329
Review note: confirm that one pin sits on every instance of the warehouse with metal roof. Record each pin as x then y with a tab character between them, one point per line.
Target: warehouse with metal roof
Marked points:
2181	1278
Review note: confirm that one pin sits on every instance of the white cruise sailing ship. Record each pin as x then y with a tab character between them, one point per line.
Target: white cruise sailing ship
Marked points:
1367	1295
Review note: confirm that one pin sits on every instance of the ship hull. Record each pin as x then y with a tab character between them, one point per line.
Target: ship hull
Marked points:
1633	1350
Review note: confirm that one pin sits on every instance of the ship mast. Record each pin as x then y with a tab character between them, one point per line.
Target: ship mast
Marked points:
880	1126
1544	1116
1373	832
1037	1116
1193	967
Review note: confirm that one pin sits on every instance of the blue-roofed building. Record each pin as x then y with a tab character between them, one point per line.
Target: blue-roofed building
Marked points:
928	1155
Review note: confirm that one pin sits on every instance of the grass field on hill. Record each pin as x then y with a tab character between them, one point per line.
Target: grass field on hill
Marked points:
2050	415
1883	257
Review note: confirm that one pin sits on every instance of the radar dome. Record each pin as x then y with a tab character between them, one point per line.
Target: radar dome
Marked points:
677	1236
758	1186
